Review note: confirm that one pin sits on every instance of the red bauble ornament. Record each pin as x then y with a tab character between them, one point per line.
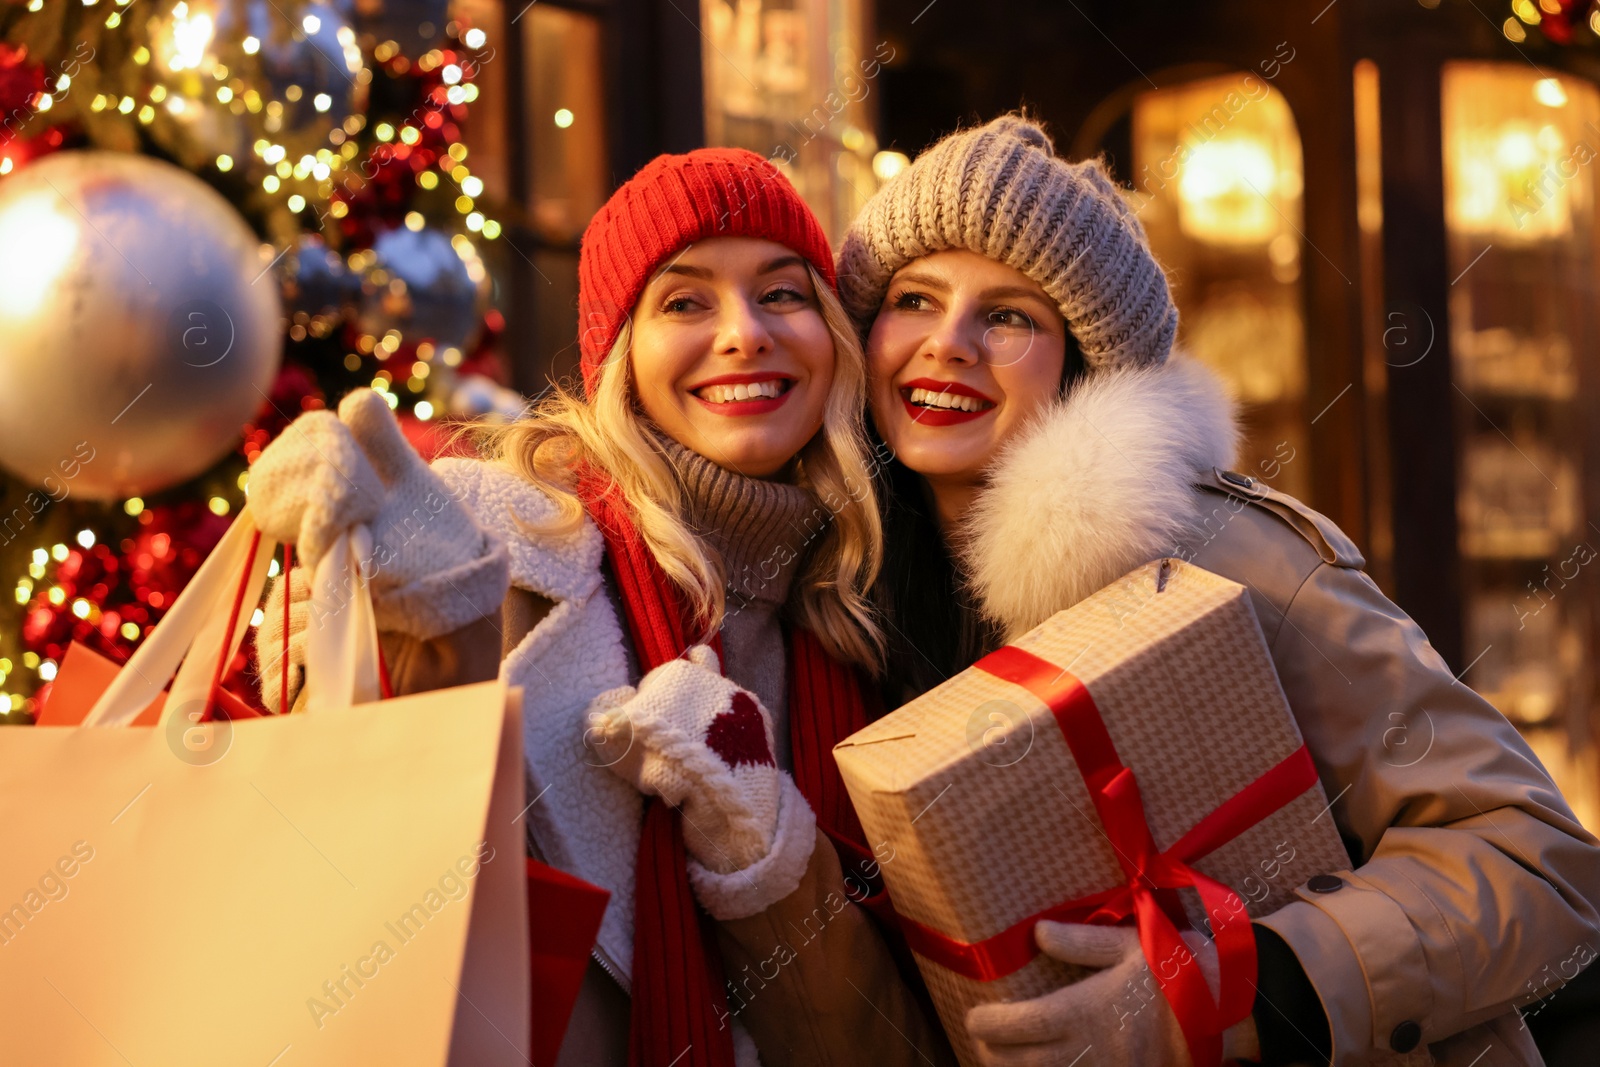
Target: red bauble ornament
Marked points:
1558	25
294	391
20	80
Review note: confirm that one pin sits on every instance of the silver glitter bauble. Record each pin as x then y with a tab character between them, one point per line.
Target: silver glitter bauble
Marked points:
137	332
316	280
312	65
422	286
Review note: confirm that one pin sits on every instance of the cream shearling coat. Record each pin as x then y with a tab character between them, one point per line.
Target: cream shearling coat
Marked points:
814	982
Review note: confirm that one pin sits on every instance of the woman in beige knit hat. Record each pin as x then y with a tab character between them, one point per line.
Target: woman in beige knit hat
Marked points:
1018	333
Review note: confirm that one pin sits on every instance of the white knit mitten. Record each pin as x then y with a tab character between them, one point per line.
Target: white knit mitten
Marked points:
312	483
704	745
436	568
1114	1017
433	569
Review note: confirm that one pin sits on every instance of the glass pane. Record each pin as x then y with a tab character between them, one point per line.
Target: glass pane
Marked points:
566	120
1519	200
1217	178
555	313
791	80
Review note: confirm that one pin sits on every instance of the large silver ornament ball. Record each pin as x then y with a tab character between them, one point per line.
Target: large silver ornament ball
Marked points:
137	334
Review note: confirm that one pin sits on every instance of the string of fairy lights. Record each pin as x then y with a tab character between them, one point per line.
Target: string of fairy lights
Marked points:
194	67
1556	18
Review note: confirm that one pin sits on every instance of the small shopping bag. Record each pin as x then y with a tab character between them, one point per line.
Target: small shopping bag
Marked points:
563	920
85	674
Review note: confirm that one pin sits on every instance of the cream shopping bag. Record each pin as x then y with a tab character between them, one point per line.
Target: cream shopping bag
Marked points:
327	889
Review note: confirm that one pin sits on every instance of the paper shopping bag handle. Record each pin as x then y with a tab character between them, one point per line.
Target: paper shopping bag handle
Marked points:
342	632
199	620
202	629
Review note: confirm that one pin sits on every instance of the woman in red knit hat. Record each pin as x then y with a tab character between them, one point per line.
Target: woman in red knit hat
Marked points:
673	565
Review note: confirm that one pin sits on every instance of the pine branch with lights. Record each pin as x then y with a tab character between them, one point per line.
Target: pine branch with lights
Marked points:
336	135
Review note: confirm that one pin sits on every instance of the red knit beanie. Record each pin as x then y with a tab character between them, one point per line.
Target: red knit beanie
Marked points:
671	203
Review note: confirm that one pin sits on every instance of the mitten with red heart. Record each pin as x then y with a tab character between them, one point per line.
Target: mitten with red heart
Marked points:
704	745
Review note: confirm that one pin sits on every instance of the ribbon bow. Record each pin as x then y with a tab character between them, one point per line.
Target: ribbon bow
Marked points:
1150	875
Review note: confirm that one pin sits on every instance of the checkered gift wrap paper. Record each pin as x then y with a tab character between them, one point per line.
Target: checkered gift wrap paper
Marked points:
975	790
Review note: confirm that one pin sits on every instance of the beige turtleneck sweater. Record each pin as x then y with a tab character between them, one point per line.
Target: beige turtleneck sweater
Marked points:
760	529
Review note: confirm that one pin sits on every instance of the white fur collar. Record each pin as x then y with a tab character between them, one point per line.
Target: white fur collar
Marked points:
1102	482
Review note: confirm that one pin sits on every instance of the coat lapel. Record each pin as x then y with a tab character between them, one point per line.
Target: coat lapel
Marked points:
581	817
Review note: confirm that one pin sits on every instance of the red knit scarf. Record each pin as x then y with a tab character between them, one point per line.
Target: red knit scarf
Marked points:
680	1015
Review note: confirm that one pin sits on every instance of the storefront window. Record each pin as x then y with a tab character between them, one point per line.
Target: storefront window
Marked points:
792	80
567	173
1520	198
1217	183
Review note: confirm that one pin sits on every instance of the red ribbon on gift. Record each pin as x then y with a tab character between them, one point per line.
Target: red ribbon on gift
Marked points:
1115	793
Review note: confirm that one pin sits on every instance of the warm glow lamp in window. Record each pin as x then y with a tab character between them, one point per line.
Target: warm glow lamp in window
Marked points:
1517	147
1226	189
1217	184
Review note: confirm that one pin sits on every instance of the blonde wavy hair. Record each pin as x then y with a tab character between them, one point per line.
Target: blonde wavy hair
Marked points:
610	433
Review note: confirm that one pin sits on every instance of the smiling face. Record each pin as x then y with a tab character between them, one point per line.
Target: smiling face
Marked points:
731	356
963	352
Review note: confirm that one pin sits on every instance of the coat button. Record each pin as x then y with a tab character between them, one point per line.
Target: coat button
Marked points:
1325	883
1243	481
1406	1036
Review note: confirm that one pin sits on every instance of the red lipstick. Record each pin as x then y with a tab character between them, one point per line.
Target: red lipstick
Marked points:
930	416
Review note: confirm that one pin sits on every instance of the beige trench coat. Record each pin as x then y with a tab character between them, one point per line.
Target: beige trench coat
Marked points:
1473	888
1472	874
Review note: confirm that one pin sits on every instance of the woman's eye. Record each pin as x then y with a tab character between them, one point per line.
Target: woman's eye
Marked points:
677	305
1010	317
910	302
783	296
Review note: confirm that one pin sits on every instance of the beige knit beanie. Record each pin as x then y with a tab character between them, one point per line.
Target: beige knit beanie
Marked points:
1001	191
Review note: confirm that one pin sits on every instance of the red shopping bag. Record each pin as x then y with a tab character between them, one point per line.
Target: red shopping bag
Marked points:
85	674
563	921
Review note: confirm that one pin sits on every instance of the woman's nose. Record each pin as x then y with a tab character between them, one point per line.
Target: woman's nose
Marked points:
740	330
952	342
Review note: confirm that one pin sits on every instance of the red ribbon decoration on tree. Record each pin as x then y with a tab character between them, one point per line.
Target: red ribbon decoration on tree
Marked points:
1115	793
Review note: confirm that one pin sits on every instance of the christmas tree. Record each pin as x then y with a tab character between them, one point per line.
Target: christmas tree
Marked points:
214	216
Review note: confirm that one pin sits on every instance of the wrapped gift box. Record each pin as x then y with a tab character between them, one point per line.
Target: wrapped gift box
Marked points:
1004	794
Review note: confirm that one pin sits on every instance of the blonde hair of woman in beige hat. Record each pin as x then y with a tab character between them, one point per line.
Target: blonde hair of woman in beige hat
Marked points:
1018	334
